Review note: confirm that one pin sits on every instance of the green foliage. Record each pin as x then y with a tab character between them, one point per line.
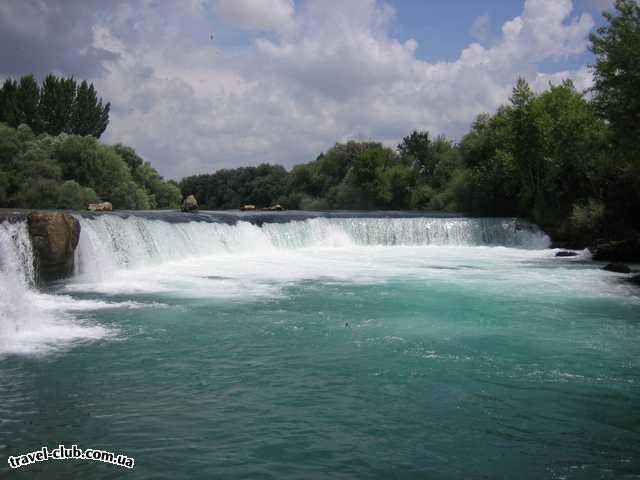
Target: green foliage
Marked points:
73	196
161	194
446	160
616	46
527	146
588	216
263	185
166	195
89	116
368	177
356	175
570	164
28	98
71	171
4	186
421	196
416	148
37	192
536	157
398	180
9	106
9	145
59	105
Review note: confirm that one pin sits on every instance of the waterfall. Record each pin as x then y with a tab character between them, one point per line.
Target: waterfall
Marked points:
423	231
16	278
214	256
109	242
32	322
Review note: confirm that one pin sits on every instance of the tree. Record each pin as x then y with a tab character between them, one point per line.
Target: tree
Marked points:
263	186
527	151
60	105
89	117
446	160
38	193
370	175
616	46
28	97
417	148
10	145
71	171
573	142
56	104
9	110
489	181
73	196
78	157
166	195
399	180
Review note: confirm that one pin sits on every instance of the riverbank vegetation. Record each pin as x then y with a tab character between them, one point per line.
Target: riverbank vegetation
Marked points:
71	171
549	157
50	156
59	105
567	160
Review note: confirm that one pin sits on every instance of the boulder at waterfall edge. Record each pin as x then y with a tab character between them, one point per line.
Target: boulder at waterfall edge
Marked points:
100	207
617	268
618	251
54	237
190	204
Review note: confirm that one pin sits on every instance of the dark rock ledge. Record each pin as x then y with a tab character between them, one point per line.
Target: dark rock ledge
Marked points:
54	238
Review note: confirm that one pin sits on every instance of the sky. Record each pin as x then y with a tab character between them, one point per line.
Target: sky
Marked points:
199	85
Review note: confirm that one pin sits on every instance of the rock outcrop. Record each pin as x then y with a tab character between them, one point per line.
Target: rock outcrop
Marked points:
275	208
617	268
252	208
54	237
618	251
100	207
190	204
566	253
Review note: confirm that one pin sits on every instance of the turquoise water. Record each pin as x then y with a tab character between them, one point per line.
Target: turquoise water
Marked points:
342	361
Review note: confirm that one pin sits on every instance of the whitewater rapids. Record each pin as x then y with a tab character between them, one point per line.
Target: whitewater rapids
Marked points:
123	257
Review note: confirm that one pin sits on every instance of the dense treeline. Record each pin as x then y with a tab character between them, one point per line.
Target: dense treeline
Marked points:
349	176
543	156
70	171
230	188
50	156
59	105
568	160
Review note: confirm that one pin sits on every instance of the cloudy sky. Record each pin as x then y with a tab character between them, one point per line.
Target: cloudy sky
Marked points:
198	85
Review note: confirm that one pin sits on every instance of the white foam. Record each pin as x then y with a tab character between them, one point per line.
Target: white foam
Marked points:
259	275
31	322
246	263
110	243
136	255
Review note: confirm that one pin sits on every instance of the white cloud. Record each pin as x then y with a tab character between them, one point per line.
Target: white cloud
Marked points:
268	15
26	18
339	74
582	79
480	28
